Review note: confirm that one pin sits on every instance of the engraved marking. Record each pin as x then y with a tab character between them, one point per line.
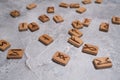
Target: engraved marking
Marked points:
1	44
90	48
14	53
73	38
46	38
103	62
61	56
33	25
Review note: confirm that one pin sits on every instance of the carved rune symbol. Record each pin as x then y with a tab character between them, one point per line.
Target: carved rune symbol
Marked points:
75	31
77	23
103	62
86	20
90	48
14	53
57	17
45	38
105	26
73	38
23	25
61	56
117	19
33	25
1	44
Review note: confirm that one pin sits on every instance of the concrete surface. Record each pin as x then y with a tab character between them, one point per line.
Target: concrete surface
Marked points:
36	64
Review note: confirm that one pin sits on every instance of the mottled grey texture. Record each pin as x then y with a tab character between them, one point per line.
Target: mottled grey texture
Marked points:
38	57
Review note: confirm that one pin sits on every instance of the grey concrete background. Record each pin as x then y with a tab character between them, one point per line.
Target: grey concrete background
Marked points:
36	64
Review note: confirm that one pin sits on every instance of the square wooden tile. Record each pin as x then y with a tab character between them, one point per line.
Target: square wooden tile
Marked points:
46	39
61	58
58	18
23	26
86	1
81	10
115	20
76	41
15	13
15	54
75	32
74	5
44	18
4	45
77	24
31	6
86	22
98	1
50	9
64	5
104	27
33	26
102	62
90	49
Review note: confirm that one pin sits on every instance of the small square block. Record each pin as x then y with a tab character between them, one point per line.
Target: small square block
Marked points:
58	19
62	4
15	54
77	24
33	26
76	41
86	22
104	27
81	10
99	1
44	18
23	26
74	5
115	20
86	1
61	58
90	49
4	45
31	6
75	32
15	13
50	9
102	62
45	39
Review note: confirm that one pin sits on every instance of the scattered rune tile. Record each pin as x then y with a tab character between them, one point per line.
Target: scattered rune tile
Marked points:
102	62
86	1
75	32
23	26
104	27
33	26
58	18
77	24
50	9
74	5
90	49
81	10
31	6
61	58
86	22
44	18
116	20
98	1
15	13
63	4
46	39
76	41
15	54
4	45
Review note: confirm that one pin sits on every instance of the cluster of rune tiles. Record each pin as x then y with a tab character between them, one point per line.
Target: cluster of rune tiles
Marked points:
60	57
